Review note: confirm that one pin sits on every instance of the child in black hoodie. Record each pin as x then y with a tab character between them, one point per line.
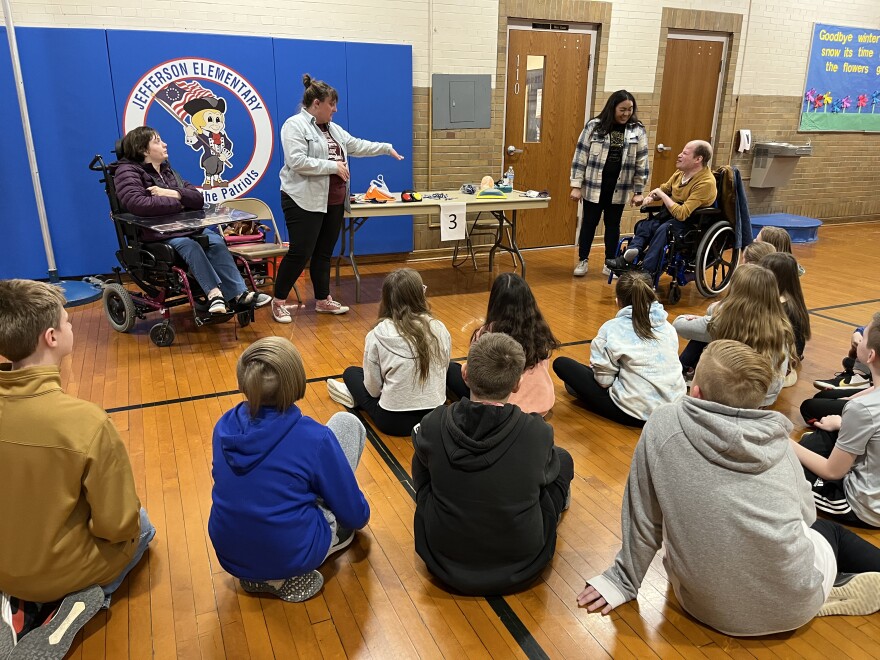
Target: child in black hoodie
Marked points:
491	486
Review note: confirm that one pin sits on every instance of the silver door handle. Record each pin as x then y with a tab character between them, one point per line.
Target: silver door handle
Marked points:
513	150
662	147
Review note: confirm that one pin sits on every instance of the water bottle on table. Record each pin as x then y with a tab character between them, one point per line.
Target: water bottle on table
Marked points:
509	177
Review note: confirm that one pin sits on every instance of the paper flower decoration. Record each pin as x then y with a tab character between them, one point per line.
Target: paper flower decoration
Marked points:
837	106
820	100
862	101
828	101
845	103
875	99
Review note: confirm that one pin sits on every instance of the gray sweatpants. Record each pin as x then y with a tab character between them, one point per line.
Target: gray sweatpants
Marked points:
352	437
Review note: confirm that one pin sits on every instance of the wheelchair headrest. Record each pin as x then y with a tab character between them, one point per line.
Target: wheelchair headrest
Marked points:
117	148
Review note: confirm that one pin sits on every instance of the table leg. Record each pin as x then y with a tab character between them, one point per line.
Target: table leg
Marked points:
514	245
341	254
352	228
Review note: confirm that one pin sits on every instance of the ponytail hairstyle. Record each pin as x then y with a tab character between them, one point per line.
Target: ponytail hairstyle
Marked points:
404	304
514	311
753	314
317	90
785	267
270	372
634	290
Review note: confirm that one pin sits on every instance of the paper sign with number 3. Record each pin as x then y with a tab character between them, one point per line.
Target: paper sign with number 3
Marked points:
453	221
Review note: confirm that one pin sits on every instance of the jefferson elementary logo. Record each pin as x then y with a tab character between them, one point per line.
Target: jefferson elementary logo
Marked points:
207	100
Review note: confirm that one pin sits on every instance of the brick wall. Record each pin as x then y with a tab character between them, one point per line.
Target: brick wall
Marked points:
768	57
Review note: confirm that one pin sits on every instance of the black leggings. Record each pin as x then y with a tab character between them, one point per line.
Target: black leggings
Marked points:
854	554
312	237
559	488
592	214
391	422
827	402
579	379
691	354
455	383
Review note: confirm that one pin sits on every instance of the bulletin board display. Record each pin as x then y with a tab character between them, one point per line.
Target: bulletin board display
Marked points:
842	89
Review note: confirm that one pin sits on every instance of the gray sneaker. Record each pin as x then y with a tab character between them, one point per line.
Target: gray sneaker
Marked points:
53	638
581	269
293	590
631	255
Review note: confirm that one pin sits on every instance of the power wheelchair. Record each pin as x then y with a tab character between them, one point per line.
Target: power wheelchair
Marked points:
159	271
705	252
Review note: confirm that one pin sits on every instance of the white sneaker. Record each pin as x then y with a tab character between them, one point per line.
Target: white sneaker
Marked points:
581	269
330	306
606	271
339	393
280	313
262	300
858	596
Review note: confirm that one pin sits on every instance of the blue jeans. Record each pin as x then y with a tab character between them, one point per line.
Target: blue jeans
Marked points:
212	267
147	534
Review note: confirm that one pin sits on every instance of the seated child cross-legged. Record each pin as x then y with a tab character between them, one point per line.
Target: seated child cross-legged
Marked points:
841	457
634	363
490	484
285	496
514	311
72	526
715	481
405	359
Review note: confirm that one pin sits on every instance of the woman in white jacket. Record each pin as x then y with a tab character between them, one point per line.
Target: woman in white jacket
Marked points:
405	359
634	363
315	193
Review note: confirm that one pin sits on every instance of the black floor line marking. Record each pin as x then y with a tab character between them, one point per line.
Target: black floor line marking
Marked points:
831	318
501	607
196	397
852	304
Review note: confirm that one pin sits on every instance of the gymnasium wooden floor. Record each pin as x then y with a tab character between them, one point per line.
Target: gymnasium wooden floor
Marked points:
378	600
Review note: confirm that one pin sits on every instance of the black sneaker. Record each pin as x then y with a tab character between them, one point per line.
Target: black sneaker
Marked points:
852	380
617	264
344	537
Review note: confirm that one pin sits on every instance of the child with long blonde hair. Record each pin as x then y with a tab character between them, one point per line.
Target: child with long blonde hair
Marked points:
405	360
633	359
752	313
779	239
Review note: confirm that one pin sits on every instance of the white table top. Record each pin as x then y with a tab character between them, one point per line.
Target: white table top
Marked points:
514	201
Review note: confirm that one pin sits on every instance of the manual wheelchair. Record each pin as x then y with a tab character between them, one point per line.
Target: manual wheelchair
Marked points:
160	273
706	252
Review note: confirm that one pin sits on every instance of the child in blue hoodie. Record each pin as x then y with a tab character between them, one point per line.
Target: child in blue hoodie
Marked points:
634	363
285	495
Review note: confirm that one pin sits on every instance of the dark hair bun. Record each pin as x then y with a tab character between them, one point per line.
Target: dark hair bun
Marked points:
307	80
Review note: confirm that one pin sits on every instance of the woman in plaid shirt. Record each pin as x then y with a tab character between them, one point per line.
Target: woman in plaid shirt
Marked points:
610	167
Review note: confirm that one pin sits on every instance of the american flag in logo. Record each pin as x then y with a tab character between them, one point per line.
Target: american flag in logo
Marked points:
175	95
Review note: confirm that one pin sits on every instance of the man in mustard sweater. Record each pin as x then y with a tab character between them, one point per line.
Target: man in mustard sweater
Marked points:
70	518
691	187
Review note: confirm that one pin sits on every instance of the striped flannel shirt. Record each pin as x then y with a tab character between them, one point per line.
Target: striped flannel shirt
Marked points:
589	159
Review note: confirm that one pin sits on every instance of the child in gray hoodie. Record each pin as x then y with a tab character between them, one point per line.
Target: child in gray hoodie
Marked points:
715	481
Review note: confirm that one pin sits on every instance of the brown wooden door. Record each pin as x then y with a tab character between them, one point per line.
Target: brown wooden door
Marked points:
691	75
546	97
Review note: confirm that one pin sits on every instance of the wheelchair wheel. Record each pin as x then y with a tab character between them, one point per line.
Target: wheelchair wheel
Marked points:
674	293
119	307
162	334
716	259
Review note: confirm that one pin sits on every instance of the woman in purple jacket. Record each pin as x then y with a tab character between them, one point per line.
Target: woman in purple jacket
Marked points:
147	186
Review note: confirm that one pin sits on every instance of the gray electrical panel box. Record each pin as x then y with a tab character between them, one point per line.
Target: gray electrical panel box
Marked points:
461	101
